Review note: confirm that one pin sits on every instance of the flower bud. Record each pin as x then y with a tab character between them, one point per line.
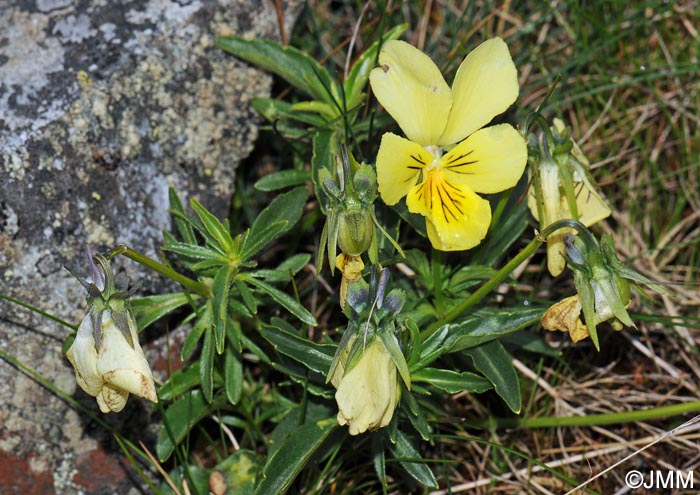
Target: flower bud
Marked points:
355	231
562	188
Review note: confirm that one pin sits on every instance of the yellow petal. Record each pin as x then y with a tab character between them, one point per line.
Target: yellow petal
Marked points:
591	207
399	165
491	160
411	88
367	394
486	84
456	217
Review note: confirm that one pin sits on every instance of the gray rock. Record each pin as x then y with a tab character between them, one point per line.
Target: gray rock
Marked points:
103	106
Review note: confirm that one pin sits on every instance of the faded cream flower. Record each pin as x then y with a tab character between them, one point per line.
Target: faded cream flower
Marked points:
113	369
369	391
108	360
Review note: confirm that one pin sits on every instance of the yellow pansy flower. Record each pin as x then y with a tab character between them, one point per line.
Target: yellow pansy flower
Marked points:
440	179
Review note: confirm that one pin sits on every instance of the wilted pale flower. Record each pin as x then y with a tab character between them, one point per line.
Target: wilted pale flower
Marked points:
565	315
108	360
563	189
351	267
448	156
603	285
367	392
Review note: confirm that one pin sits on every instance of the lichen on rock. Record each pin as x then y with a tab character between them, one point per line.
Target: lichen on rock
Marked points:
103	106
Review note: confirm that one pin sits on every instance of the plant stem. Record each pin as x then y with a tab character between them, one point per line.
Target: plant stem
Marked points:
188	283
482	291
502	274
39	311
595	419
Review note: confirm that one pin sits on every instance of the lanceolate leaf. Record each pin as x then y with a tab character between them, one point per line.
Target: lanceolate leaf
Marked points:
316	357
280	215
478	329
285	300
411	460
495	363
282	179
297	68
214	227
152	308
453	382
221	289
290	458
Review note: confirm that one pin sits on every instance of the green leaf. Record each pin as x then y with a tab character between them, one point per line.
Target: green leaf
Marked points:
453	382
233	375
251	303
182	222
305	413
285	300
221	289
195	252
294	66
206	366
410	459
316	357
277	110
180	418
283	179
415	415
495	363
379	460
281	214
325	149
253	242
433	347
285	270
392	346
179	382
477	329
152	308
214	227
504	233
290	458
204	322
